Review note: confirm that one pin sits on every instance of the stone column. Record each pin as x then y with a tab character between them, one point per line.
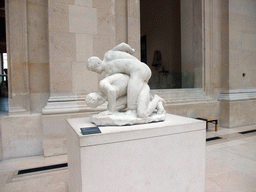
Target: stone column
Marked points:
17	49
105	38
38	54
223	18
237	99
78	29
121	21
191	43
133	25
72	25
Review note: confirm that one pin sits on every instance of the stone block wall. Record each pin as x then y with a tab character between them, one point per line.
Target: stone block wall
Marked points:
50	41
239	91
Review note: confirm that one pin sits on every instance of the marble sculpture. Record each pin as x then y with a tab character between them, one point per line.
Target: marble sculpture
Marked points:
126	89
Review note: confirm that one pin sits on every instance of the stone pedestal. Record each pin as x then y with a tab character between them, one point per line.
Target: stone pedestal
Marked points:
164	156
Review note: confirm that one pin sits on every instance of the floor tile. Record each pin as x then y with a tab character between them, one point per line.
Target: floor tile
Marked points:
233	162
56	160
54	181
233	181
234	142
215	147
230	166
246	150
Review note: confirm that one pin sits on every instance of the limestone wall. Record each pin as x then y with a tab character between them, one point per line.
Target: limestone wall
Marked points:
242	44
21	136
238	93
49	42
38	54
48	45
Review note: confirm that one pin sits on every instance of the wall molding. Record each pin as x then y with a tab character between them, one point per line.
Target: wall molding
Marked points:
237	94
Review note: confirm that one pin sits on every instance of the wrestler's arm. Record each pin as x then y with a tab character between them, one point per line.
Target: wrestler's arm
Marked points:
110	92
124	47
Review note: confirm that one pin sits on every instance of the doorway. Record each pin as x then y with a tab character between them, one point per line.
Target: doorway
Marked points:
160	23
3	62
171	43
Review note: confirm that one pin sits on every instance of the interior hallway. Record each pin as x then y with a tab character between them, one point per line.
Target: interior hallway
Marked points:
230	166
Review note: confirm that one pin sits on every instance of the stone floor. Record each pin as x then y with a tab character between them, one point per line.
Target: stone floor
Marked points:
230	166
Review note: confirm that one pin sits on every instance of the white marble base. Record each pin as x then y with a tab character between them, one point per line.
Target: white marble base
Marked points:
163	156
125	118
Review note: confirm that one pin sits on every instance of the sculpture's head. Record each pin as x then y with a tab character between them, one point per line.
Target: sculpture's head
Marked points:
94	64
94	100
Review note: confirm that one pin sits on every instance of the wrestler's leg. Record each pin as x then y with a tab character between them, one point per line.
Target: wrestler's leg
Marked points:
138	76
110	92
121	103
160	108
124	47
143	101
135	85
154	104
145	106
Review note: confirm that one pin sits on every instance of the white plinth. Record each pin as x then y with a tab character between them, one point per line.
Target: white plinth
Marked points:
165	156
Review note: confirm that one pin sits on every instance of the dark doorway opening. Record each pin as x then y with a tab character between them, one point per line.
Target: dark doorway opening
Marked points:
160	23
3	62
174	43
